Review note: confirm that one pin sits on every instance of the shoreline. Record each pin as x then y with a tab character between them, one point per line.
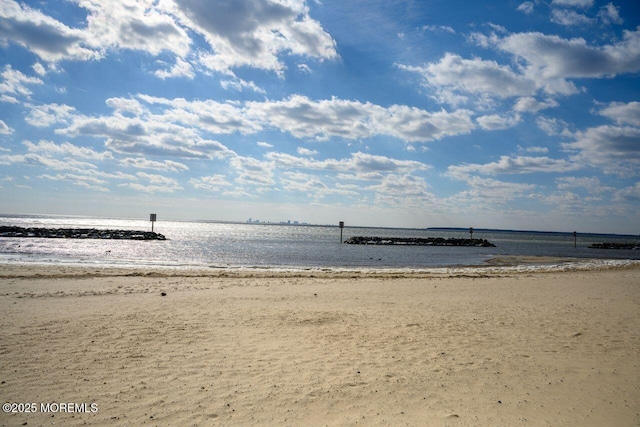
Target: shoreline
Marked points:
496	266
455	348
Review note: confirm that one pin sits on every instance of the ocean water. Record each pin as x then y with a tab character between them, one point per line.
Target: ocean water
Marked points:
215	245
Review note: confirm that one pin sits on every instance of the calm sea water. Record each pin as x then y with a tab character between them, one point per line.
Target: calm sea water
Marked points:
232	245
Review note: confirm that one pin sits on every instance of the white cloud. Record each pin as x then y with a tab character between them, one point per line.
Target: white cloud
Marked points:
71	159
86	181
305	118
254	33
544	63
39	69
591	184
552	126
389	189
130	24
526	7
623	113
304	68
403	187
615	149
44	115
152	125
32	159
539	150
569	17
181	68
390	181
284	160
610	14
15	82
205	115
483	40
573	3
363	162
515	165
411	124
213	183
114	128
474	76
531	105
498	122
314	187
359	163
154	184
5	129
439	28
306	184
126	106
174	131
243	33
551	60
306	152
488	191
66	149
48	38
628	194
240	85
252	171
142	163
9	99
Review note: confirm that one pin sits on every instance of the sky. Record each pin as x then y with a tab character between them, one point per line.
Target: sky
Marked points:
396	113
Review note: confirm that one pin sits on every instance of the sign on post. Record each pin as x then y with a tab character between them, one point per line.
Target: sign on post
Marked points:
341	225
152	218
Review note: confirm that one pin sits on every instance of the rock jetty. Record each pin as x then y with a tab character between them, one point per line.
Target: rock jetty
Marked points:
418	241
78	233
609	245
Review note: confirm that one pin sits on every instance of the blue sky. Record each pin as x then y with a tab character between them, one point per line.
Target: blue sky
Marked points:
503	114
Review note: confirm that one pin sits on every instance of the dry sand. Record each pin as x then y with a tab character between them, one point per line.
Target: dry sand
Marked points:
506	349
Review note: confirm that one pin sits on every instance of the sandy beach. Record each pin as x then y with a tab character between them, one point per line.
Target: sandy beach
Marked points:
312	348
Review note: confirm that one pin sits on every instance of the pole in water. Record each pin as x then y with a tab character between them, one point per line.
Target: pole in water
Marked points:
575	239
152	218
341	225
471	232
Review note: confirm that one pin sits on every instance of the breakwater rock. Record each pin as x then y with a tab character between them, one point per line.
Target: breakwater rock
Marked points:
78	233
418	241
608	245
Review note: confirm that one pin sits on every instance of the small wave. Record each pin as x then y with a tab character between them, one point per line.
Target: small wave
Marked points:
161	269
567	266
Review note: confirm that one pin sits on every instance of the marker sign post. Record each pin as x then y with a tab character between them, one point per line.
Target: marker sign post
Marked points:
152	218
341	225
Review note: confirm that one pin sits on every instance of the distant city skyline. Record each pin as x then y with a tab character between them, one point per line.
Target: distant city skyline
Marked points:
508	115
287	222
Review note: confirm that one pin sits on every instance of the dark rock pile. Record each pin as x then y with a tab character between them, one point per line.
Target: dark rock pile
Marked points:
417	241
609	245
78	233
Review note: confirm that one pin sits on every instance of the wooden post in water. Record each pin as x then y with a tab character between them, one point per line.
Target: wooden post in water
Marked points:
471	232
341	225
152	218
575	239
